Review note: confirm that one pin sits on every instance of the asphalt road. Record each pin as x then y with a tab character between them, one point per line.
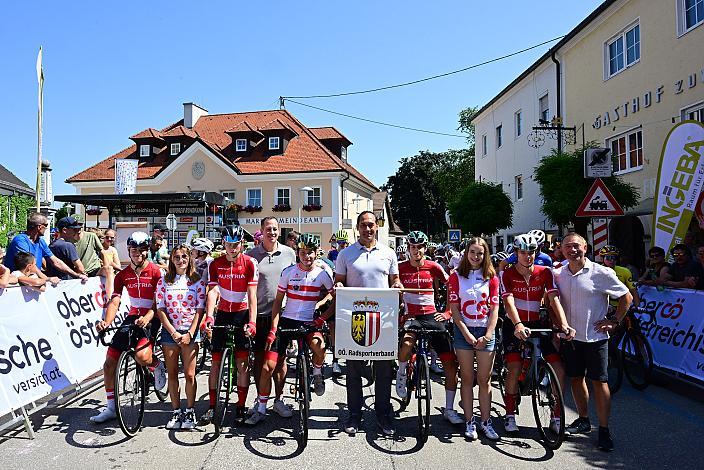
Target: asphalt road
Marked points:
656	428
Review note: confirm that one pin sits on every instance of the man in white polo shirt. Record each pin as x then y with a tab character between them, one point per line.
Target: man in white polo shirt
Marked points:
367	263
585	288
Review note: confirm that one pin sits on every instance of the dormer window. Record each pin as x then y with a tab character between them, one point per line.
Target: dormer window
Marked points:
144	150
343	152
274	143
241	145
175	148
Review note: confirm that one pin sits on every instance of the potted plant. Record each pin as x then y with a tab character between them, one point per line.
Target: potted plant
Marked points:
252	209
312	207
281	208
93	210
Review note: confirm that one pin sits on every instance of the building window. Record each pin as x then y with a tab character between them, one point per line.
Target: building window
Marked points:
229	197
283	196
694	113
314	197
484	145
241	145
627	151
518	120
519	187
544	108
623	51
274	143
144	150
499	140
690	14
254	197
343	152
175	149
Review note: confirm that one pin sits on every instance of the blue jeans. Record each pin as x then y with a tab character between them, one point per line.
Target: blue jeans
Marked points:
477	332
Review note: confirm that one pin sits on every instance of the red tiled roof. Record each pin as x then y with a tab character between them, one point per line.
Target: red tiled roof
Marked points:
243	126
275	125
179	131
328	133
147	134
304	153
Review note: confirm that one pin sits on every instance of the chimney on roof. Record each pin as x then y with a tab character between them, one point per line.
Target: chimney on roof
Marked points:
191	113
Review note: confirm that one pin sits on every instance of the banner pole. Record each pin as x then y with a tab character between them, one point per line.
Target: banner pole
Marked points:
27	423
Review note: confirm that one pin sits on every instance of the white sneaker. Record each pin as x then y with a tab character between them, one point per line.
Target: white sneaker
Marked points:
255	418
436	369
160	376
106	415
471	430
510	424
452	416
254	408
175	421
336	369
555	425
488	430
282	409
401	389
188	420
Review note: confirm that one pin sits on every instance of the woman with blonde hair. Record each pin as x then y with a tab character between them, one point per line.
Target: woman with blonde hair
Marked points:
473	295
180	299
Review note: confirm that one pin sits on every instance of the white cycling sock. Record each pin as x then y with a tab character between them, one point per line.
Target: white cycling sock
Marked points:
402	367
450	399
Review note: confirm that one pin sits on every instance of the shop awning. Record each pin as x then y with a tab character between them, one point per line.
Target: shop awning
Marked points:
110	200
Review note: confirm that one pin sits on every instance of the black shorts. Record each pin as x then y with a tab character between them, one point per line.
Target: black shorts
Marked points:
514	346
236	319
126	339
263	328
440	343
283	339
590	360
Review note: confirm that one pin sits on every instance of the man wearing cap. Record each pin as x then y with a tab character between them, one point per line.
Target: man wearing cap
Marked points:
159	230
90	250
69	230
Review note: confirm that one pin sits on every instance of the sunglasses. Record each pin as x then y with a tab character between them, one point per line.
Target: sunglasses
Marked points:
610	257
181	256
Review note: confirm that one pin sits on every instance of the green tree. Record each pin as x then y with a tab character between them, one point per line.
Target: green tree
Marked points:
454	169
563	187
466	126
63	211
482	209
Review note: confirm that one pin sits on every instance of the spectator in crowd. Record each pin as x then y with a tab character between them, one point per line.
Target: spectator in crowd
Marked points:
700	255
90	250
684	272
292	239
656	263
585	288
33	242
112	258
5	277
161	231
257	237
26	274
155	254
64	249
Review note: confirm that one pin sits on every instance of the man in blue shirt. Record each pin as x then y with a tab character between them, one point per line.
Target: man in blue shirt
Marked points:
64	248
33	242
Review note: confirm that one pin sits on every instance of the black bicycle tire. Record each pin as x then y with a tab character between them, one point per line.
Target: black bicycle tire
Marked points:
423	395
129	431
648	369
615	364
222	401
410	385
205	348
303	392
550	443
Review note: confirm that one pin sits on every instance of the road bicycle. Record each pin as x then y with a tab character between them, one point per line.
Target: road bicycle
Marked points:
302	382
418	378
630	353
132	383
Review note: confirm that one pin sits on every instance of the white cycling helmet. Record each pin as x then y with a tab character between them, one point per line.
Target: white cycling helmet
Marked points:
138	240
526	242
538	234
509	248
202	244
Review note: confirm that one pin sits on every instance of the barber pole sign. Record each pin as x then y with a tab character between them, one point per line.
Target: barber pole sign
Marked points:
600	234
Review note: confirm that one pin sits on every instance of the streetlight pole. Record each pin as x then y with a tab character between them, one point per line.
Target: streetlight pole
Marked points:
304	189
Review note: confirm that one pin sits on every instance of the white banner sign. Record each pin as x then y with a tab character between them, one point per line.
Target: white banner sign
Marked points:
48	339
305	220
366	323
125	176
677	333
680	180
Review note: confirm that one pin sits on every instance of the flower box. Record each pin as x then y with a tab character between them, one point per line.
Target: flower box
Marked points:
252	209
281	208
312	207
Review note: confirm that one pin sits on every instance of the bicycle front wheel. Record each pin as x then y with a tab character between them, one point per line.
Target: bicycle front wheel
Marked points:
130	393
205	348
423	397
410	383
303	398
224	389
637	357
548	404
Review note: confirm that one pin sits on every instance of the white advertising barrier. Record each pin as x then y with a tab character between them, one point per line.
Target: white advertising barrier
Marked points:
677	333
366	323
48	340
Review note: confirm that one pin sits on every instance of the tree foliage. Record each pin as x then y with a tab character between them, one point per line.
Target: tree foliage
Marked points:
563	186
482	209
466	126
13	215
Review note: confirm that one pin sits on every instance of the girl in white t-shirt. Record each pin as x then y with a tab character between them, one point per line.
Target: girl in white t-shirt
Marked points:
180	301
473	295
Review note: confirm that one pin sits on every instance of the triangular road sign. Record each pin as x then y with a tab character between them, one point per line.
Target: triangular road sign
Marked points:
599	202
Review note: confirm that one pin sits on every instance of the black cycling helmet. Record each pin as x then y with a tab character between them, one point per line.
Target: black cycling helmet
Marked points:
138	240
232	234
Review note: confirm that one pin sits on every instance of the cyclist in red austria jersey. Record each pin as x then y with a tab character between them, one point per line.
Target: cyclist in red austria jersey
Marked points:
523	287
140	279
234	277
420	273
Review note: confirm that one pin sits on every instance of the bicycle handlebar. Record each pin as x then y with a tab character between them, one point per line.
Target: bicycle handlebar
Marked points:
424	331
303	330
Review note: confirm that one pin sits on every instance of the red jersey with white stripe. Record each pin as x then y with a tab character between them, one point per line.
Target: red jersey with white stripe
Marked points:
232	279
421	277
140	288
527	296
302	289
474	296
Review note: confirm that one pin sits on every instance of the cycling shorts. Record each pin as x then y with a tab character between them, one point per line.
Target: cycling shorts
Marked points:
513	346
236	319
263	328
284	339
128	338
440	343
